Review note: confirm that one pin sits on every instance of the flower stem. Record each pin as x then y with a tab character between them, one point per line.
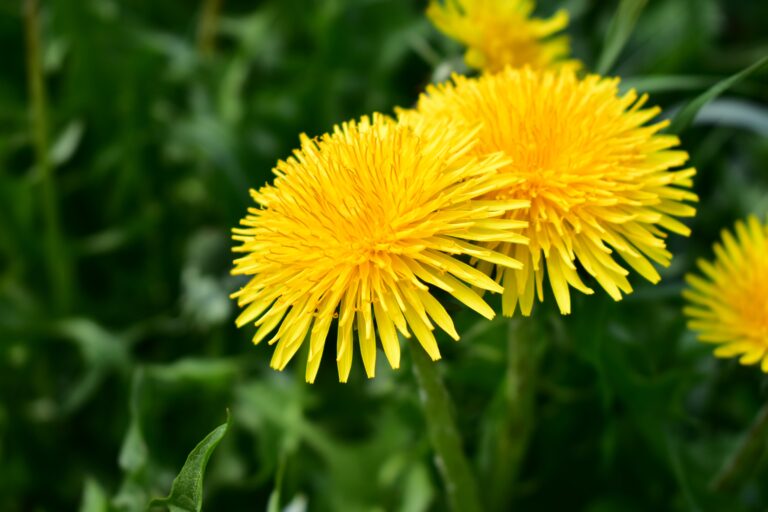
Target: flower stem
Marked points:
444	435
510	419
57	263
747	454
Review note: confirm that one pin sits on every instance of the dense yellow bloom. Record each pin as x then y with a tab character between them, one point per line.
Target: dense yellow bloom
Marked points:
728	305
500	33
598	177
355	226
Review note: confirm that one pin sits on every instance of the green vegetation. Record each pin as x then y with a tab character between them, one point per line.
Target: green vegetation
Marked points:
130	132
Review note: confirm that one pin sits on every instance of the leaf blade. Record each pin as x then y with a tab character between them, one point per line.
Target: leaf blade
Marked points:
187	489
620	29
687	114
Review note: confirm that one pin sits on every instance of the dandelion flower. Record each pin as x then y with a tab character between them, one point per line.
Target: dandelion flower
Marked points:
500	33
728	304
356	226
599	178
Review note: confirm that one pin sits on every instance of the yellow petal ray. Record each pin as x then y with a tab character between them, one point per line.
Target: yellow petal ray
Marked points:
438	314
367	340
422	333
394	309
344	349
388	335
290	343
316	345
461	270
468	297
268	322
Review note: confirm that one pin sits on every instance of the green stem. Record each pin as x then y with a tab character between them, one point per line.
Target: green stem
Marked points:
56	259
510	419
525	345
206	34
747	454
444	435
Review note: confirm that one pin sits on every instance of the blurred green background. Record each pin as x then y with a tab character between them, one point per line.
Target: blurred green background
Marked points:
118	351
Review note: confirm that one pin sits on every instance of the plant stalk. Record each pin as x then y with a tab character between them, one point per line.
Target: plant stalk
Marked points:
444	435
57	261
206	33
747	454
510	419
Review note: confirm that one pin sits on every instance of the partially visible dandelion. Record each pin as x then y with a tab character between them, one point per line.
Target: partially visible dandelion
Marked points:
728	304
355	226
500	33
601	181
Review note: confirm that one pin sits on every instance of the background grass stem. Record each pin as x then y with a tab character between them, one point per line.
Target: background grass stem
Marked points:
55	254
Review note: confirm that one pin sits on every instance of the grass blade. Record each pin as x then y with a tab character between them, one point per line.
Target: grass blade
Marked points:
655	84
687	114
747	455
621	27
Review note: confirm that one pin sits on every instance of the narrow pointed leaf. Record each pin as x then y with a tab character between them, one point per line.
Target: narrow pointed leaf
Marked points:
187	488
619	31
686	116
655	84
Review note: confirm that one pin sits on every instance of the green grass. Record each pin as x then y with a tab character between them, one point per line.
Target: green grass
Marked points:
118	351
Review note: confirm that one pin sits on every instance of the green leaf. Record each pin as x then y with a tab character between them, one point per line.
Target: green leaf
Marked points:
187	489
194	370
736	114
98	346
654	84
94	497
66	143
134	454
678	468
621	27
273	505
746	457
417	489
102	351
687	114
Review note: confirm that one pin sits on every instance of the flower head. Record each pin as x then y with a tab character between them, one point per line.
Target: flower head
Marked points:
500	33
728	304
599	179
355	226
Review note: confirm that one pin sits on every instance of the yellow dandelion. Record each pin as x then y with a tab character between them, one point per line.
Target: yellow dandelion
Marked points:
356	226
500	33
599	178
728	305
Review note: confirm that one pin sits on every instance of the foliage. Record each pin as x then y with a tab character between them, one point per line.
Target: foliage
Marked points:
118	350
